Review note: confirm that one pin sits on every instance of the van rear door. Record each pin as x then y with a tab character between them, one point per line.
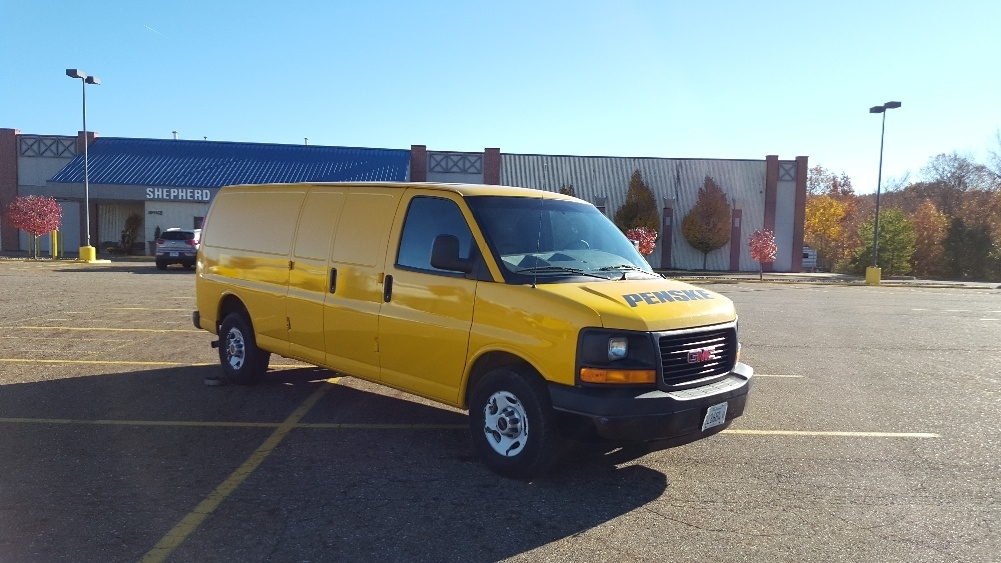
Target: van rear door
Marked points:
357	261
310	276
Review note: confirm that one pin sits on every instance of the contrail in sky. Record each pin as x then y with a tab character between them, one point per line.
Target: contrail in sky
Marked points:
155	31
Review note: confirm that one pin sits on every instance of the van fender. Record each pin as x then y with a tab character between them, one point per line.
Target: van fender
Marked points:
488	358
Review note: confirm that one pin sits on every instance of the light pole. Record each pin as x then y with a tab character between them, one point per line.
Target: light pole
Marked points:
87	252
872	274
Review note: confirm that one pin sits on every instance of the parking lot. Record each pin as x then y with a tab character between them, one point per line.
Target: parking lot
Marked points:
872	434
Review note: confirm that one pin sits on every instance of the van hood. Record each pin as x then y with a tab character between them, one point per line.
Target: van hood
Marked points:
648	305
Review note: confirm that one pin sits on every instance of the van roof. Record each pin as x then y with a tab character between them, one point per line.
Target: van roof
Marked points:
461	189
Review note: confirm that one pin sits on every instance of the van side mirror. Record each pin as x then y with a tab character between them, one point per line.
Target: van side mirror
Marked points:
445	255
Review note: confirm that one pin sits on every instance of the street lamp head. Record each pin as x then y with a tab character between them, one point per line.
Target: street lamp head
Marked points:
92	80
891	105
75	73
877	109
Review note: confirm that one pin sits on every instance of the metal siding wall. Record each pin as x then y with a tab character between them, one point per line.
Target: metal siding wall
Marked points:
678	179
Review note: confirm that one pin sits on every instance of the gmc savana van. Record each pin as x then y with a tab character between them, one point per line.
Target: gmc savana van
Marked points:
528	308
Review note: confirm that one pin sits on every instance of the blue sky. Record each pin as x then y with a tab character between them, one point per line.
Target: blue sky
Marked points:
676	79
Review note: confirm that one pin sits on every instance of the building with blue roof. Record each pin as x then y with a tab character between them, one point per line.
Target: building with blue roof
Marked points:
171	183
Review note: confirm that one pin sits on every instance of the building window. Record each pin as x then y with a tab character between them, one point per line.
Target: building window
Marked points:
198	222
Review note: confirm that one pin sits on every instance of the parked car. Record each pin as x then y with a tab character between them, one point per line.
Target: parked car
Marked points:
177	246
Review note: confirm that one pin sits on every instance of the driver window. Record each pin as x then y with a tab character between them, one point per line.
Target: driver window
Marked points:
428	217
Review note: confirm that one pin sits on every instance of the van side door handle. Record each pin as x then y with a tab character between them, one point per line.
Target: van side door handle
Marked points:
387	289
333	280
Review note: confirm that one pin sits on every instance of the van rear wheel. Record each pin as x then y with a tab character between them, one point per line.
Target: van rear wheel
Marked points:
512	424
241	359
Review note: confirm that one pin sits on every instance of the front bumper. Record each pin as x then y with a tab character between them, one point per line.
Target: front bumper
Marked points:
670	418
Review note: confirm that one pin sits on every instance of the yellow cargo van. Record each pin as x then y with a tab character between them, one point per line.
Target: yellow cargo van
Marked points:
528	308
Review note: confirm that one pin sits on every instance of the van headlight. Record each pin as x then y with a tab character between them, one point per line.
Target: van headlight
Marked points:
618	348
616	356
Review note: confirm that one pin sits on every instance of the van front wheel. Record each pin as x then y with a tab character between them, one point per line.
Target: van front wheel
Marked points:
512	424
241	359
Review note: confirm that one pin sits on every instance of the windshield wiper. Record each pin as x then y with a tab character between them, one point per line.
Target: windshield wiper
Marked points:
559	270
624	268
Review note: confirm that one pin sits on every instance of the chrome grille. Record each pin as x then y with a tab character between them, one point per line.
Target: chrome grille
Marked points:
691	355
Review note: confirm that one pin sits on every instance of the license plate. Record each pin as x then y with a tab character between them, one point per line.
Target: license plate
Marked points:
715	416
173	255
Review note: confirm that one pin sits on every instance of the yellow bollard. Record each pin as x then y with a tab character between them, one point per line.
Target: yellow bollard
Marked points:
53	245
88	254
872	275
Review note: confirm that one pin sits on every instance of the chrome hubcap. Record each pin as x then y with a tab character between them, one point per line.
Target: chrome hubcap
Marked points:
236	350
505	424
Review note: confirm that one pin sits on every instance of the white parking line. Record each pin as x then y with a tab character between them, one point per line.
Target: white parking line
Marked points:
846	434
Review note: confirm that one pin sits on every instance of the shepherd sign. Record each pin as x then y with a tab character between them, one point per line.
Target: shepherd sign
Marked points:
188	194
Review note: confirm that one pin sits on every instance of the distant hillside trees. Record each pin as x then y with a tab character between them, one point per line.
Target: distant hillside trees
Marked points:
954	210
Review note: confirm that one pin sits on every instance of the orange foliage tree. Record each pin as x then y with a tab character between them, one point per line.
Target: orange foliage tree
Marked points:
707	226
929	229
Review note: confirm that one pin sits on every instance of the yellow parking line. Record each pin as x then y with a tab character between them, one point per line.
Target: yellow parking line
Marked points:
845	434
190	523
107	329
377	426
172	423
113	362
353	426
146	309
275	367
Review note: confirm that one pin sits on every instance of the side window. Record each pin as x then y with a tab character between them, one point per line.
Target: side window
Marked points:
427	218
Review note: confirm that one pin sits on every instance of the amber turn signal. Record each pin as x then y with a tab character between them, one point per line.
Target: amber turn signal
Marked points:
628	376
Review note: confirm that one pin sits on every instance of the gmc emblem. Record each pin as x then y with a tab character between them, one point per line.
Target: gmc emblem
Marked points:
699	356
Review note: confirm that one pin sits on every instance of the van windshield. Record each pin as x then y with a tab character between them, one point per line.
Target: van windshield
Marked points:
535	237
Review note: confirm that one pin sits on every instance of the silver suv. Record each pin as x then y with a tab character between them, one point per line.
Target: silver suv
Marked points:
177	246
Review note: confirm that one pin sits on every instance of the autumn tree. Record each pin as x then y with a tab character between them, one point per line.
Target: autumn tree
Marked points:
896	243
929	232
821	181
707	226
833	214
640	208
763	248
567	189
645	238
36	215
823	229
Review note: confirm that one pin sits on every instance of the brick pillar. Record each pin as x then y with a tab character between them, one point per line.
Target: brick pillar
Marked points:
735	238
799	215
9	237
418	163
91	135
491	167
771	196
666	234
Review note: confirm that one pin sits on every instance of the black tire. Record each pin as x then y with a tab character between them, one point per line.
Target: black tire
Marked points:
242	361
512	424
161	265
188	266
